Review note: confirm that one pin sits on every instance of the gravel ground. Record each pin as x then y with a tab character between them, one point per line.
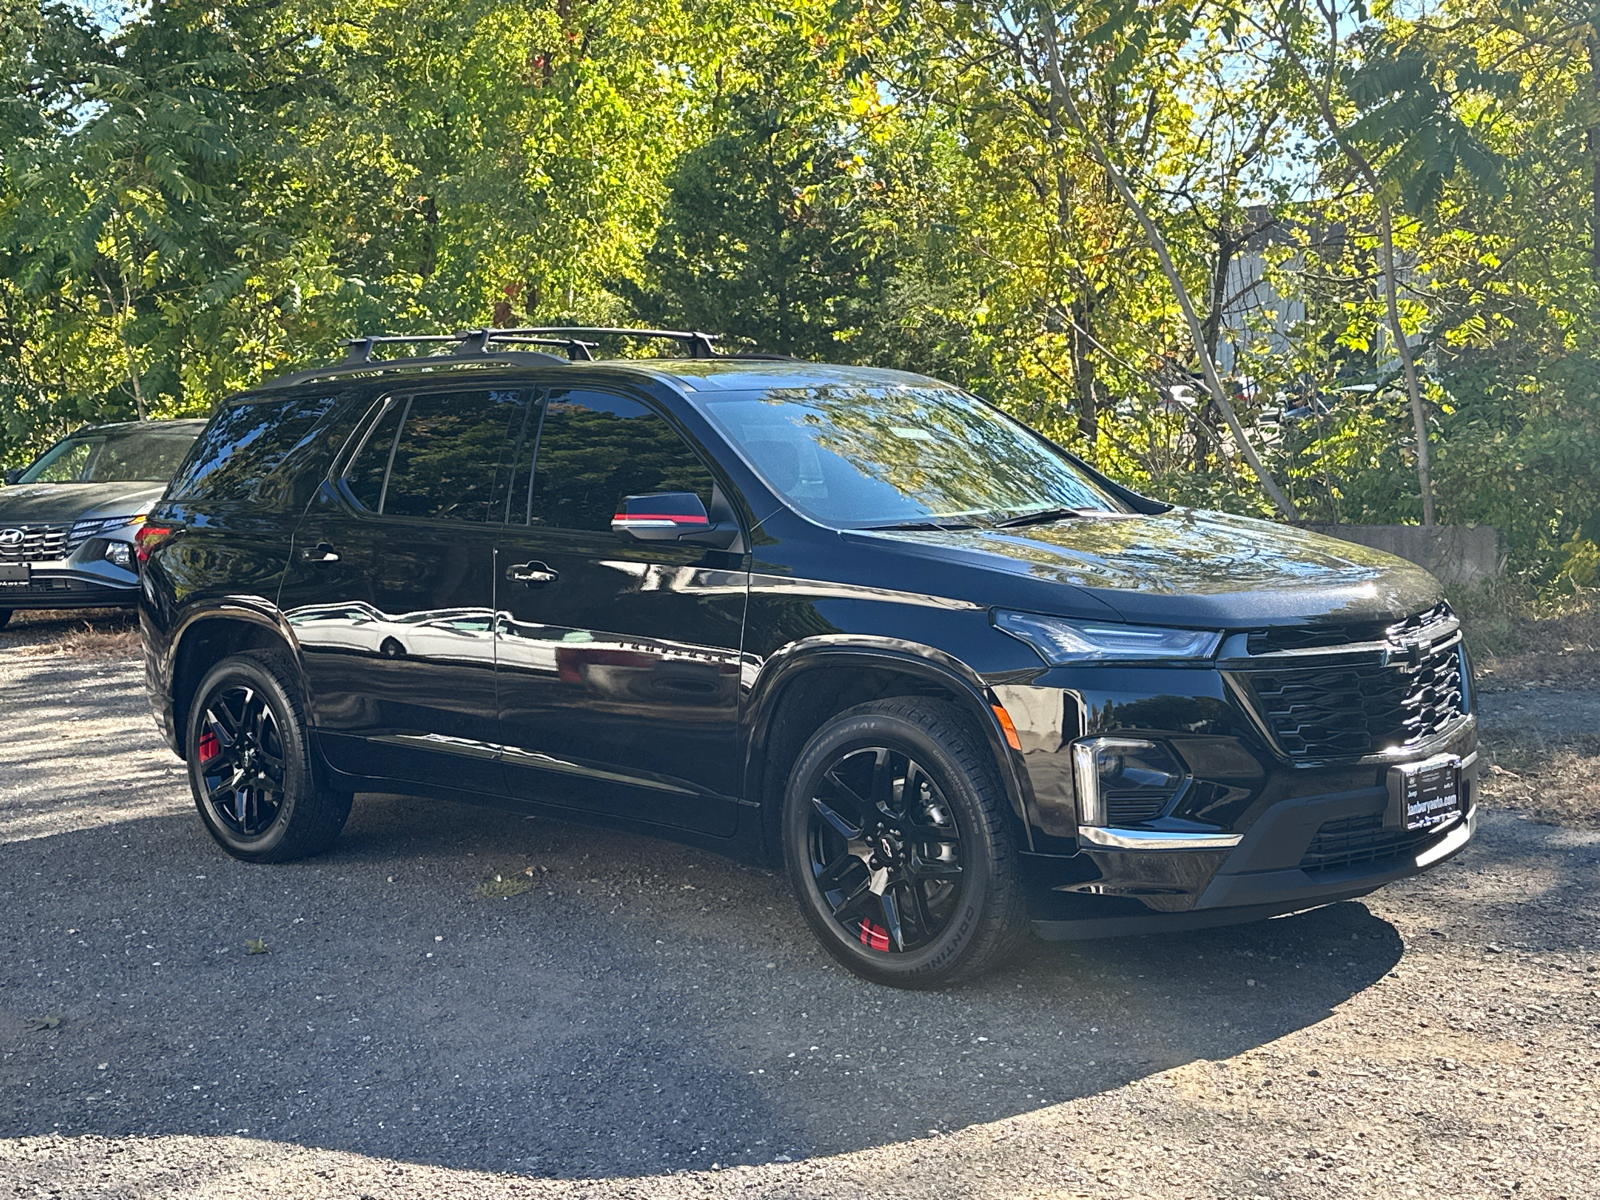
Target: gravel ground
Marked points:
1558	714
464	1002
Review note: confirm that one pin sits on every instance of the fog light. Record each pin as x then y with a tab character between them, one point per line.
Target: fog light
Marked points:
119	554
1123	781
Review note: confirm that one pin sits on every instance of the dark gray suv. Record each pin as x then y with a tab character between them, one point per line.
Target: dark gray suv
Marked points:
67	521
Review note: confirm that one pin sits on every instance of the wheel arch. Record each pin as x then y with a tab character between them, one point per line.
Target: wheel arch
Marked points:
208	636
809	681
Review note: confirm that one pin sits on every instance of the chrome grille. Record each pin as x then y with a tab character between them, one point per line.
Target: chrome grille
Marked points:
38	543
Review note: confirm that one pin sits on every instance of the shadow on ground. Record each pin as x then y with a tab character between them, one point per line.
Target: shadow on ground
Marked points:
642	1007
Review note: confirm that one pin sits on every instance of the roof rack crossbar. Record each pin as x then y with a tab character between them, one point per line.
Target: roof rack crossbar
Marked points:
577	351
700	345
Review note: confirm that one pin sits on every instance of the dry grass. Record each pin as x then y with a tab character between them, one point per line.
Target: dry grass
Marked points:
1554	782
505	885
1519	643
106	633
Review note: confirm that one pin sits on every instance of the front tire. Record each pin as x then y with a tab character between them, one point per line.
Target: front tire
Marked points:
898	847
250	763
5	617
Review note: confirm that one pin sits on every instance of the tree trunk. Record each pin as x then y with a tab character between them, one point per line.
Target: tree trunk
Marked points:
1081	340
1419	415
1227	248
1061	97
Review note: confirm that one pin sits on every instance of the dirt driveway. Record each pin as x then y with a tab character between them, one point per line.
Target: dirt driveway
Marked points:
461	1002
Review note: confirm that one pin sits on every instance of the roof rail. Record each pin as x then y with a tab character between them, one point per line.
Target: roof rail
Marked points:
481	345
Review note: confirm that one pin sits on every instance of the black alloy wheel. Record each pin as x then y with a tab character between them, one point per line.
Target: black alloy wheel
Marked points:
250	763
241	759
885	850
897	842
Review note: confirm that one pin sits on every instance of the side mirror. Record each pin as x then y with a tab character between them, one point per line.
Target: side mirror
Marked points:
14	474
670	517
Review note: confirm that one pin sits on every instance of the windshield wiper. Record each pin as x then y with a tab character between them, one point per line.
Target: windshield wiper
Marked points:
1042	516
925	523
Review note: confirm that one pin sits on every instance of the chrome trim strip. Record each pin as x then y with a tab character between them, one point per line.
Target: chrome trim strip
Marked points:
1249	661
1155	839
823	589
1432	639
465	747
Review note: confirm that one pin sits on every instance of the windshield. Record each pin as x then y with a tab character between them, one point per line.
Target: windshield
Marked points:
123	457
864	455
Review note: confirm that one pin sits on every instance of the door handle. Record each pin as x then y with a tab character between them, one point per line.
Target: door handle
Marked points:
320	553
534	574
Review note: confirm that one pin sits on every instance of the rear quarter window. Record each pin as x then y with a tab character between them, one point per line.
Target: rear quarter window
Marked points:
263	451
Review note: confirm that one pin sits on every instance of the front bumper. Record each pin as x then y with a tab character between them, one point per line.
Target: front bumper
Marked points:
83	581
1254	835
1154	891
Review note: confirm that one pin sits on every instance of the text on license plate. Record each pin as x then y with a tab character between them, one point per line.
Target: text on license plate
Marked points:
1428	794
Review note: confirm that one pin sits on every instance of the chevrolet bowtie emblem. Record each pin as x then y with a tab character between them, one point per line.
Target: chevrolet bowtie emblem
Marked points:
1408	655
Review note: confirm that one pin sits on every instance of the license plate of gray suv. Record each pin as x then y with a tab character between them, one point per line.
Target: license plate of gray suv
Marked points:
1430	793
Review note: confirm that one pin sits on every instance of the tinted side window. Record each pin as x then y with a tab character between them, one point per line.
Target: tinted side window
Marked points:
594	449
236	456
449	449
151	454
365	474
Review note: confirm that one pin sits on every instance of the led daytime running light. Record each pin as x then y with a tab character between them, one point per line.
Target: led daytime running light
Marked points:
1060	641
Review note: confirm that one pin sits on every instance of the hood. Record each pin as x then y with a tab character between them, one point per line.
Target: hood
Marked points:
1183	567
51	503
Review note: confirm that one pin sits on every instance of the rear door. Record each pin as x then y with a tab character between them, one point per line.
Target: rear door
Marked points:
618	661
391	589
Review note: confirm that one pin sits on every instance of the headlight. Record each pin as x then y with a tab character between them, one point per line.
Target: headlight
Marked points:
119	554
88	527
1059	641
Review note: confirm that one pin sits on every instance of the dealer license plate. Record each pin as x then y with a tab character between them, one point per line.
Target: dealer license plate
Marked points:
15	573
1425	794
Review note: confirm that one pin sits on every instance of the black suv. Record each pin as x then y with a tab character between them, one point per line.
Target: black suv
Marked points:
67	520
851	621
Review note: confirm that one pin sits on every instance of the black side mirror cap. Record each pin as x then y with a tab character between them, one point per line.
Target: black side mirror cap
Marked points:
14	474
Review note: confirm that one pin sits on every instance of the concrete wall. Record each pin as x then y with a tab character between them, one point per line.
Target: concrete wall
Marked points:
1460	554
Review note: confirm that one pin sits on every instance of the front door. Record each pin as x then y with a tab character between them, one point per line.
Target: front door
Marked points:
391	590
618	661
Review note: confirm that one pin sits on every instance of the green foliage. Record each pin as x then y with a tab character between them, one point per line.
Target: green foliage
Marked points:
211	193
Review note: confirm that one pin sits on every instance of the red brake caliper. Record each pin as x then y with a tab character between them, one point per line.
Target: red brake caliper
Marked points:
875	937
208	746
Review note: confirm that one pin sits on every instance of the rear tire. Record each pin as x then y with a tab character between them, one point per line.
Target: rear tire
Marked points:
251	769
5	617
898	845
